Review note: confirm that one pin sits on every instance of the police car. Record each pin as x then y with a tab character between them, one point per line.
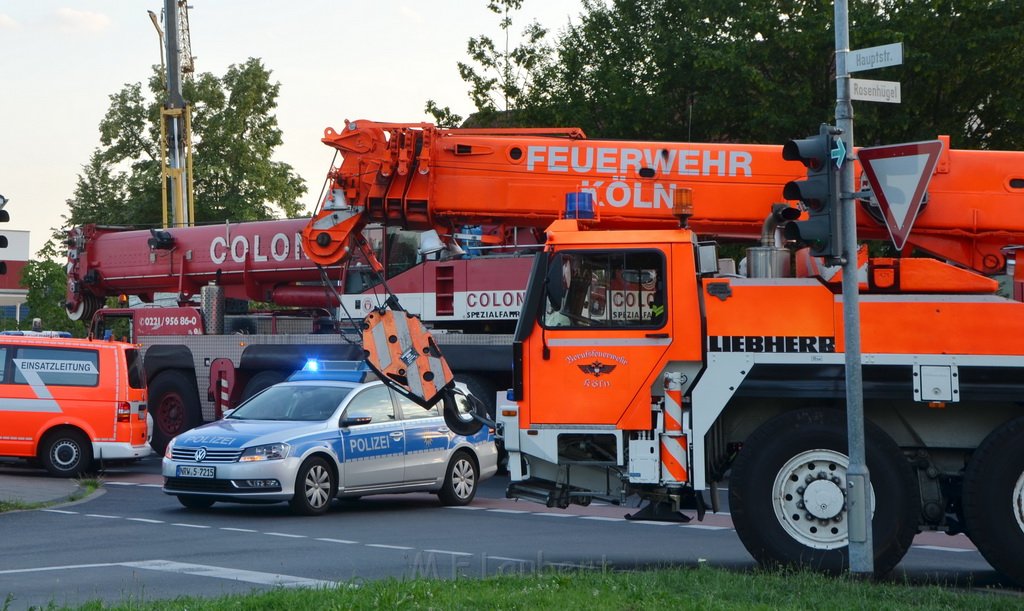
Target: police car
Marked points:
327	432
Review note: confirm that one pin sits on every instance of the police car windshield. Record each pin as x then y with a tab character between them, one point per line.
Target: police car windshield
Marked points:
293	402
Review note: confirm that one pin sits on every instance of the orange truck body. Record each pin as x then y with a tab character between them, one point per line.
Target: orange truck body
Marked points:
69	402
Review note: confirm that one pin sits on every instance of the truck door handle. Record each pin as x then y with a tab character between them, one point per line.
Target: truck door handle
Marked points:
657	335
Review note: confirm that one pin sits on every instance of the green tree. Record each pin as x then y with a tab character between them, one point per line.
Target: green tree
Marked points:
706	71
500	78
234	133
45	280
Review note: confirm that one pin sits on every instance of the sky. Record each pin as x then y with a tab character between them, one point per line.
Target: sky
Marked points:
60	60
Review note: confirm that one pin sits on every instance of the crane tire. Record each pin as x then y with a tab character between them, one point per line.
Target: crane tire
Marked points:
174	404
993	499
799	457
261	381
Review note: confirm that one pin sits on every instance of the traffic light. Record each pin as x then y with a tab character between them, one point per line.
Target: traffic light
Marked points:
5	217
819	194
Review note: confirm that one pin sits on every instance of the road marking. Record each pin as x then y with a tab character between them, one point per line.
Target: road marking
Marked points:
555	514
704	527
602	519
146	520
167	566
381	545
273	534
190	525
656	522
508	511
41	569
445	551
239	530
939	548
506	559
71	513
466	507
345	541
202	570
100	515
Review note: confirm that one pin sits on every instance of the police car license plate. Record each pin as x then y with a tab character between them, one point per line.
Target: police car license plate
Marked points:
188	471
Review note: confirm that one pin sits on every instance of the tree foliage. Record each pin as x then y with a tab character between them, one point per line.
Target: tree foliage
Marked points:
45	280
763	71
234	134
500	76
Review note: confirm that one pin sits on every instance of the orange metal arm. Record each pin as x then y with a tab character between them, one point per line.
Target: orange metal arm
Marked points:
418	176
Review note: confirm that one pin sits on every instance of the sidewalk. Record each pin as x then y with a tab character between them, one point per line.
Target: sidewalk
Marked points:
26	485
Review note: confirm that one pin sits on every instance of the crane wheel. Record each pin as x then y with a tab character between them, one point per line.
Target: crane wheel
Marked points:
993	499
787	493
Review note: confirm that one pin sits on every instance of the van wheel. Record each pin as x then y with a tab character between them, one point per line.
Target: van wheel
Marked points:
174	404
460	481
66	453
195	502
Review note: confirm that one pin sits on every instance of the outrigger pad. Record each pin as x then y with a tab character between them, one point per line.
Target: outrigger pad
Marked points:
403	354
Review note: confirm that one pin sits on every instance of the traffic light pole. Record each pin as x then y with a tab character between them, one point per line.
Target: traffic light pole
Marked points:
858	479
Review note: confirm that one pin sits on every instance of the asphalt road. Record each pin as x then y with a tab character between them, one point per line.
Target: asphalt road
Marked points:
132	542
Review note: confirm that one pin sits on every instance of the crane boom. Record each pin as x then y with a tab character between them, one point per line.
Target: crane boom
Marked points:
425	177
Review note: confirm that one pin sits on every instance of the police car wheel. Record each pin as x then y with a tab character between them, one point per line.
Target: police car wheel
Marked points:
315	487
460	481
195	502
66	453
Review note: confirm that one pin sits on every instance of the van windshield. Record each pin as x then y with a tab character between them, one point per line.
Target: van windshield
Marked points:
293	402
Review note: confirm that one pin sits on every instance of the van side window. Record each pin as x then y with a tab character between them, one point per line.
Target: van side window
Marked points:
136	373
56	367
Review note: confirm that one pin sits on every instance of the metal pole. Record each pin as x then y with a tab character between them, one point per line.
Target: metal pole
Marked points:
179	213
858	479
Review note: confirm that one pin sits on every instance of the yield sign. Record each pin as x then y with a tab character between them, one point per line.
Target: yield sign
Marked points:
899	175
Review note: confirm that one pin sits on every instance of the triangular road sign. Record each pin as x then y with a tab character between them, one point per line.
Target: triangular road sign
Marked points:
899	175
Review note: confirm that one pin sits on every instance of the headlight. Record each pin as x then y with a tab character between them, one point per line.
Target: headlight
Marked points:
170	446
271	451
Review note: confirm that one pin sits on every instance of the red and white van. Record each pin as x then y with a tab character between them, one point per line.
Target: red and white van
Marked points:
71	402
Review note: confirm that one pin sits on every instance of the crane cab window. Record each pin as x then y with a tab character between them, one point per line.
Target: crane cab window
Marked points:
594	289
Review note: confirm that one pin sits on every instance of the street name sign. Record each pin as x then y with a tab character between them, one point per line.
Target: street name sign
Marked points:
875	91
875	57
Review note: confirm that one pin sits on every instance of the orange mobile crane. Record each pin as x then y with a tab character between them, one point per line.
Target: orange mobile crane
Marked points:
643	368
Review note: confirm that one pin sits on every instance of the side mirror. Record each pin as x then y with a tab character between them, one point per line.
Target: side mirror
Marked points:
356	420
463	414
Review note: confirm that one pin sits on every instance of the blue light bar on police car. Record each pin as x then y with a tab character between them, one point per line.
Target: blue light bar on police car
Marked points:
340	371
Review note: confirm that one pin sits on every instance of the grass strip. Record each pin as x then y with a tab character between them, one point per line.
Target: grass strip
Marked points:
703	588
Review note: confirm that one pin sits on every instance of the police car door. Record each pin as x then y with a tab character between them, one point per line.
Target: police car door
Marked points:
426	441
373	453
